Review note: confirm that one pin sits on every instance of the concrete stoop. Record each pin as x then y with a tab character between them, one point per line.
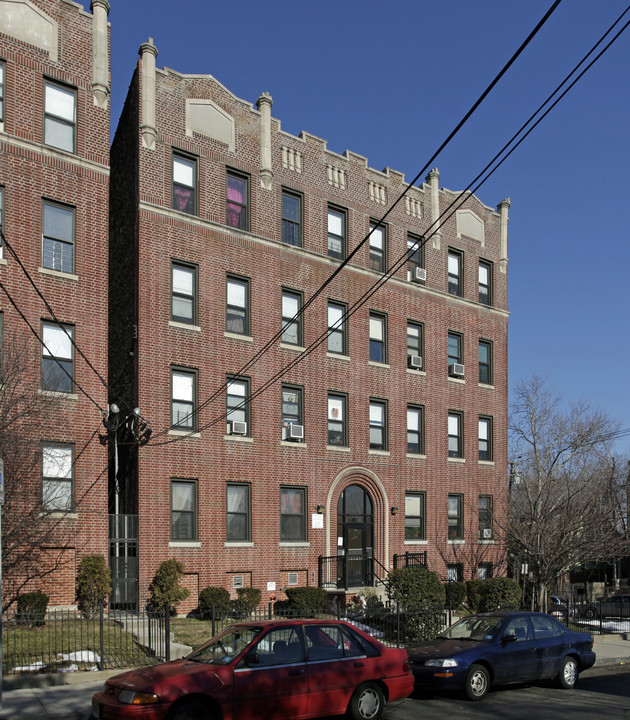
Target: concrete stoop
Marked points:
147	636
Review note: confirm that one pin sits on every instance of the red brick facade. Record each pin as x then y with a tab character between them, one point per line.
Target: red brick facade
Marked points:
158	313
46	52
152	236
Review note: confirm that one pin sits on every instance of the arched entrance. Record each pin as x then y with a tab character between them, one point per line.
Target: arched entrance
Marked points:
355	538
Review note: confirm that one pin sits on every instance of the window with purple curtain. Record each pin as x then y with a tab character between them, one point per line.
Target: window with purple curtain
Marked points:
236	202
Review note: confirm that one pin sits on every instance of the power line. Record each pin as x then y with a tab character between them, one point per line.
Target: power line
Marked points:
487	171
345	262
43	344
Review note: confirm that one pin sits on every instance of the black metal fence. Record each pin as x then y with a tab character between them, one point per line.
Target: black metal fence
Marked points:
65	641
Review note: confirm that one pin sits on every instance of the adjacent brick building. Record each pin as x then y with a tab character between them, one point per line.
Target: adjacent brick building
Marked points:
54	181
312	422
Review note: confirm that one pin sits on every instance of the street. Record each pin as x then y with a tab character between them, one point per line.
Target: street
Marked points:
601	693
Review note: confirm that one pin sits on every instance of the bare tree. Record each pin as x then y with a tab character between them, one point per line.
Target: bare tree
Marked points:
473	550
34	541
561	487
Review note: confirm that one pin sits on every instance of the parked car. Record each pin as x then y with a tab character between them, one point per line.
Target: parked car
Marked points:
614	606
271	669
557	600
500	648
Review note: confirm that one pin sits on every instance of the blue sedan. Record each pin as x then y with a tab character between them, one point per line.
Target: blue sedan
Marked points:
500	648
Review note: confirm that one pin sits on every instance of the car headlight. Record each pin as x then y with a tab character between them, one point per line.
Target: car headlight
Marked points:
441	662
130	697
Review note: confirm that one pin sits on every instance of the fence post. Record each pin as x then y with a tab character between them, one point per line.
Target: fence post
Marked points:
167	632
397	624
101	664
270	615
214	619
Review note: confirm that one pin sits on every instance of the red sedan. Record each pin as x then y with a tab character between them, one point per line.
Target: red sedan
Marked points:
280	669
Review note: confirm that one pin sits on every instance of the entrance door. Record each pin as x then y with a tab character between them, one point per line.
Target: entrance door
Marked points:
355	530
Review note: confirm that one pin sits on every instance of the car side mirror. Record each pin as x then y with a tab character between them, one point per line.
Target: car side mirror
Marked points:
508	638
252	658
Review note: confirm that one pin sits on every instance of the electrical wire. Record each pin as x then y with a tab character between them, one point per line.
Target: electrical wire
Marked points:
348	258
43	344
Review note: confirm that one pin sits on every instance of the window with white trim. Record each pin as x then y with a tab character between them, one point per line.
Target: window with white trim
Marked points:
57	478
378	247
60	116
237	305
58	237
183	510
337	337
415	517
57	358
378	425
183	292
292	514
238	512
183	399
337	238
184	184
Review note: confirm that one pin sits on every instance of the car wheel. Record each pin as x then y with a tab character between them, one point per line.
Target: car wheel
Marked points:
477	682
190	710
367	703
590	613
568	675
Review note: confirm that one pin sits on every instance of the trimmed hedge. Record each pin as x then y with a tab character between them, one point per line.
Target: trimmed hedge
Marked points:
165	588
218	597
93	584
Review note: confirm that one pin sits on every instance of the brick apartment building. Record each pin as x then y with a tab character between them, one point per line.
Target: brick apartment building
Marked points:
327	447
54	183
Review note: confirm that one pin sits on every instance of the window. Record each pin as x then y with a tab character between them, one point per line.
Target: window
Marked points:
58	238
484	571
415	345
184	184
455	350
292	514
291	218
455	435
2	82
183	510
336	233
57	358
291	321
237	402
237	214
183	293
485	438
485	282
60	116
378	425
454	572
237	306
57	478
337	425
291	409
485	362
415	516
238	513
415	429
415	255
455	285
183	399
378	335
337	337
455	517
485	517
378	247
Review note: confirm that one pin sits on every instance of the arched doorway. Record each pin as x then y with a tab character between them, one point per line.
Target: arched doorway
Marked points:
355	538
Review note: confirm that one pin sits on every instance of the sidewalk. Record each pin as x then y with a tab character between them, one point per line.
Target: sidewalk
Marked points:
68	696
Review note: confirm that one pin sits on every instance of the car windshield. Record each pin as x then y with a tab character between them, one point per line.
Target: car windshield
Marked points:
478	628
223	648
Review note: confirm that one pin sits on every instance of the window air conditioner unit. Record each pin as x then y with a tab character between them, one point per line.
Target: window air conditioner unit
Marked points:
414	361
456	369
239	428
418	275
487	533
294	432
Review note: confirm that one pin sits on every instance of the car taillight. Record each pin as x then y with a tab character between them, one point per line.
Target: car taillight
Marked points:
406	668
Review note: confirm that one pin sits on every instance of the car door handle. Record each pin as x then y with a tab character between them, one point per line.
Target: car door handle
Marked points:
358	664
297	671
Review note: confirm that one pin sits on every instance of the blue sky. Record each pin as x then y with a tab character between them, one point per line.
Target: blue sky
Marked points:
391	80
